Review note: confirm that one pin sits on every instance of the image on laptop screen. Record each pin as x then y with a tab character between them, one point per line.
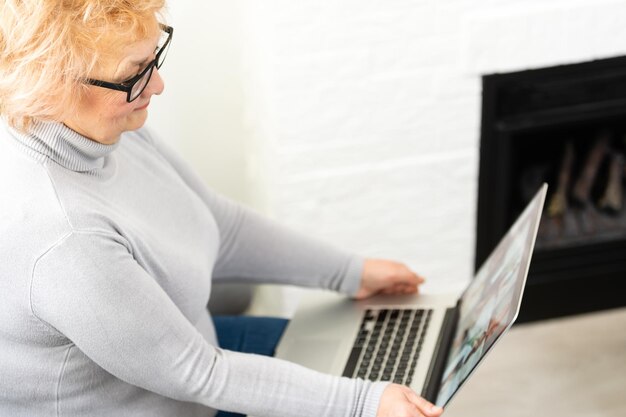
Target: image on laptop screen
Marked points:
489	305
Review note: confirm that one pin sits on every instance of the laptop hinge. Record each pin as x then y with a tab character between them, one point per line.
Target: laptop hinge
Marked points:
442	350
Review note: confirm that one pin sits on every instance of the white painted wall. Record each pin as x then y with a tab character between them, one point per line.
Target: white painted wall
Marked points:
357	121
367	112
200	111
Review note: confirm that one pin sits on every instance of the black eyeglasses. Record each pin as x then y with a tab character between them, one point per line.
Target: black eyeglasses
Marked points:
135	86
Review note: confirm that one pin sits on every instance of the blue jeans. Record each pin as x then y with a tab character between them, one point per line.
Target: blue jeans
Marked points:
258	335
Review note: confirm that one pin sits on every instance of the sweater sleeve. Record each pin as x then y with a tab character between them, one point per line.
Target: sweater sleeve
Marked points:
89	288
254	248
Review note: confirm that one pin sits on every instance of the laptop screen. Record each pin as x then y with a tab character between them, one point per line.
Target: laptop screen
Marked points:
491	302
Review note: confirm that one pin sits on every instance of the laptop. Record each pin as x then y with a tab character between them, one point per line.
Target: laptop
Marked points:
431	343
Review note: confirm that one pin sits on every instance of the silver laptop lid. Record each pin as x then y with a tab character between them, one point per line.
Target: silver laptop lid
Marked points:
492	301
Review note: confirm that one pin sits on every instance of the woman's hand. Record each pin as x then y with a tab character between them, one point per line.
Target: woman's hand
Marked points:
387	277
401	401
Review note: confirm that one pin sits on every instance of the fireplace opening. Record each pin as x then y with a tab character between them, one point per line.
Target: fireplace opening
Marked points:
565	126
585	169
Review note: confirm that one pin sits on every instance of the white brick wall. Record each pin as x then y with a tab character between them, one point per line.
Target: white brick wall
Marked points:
364	115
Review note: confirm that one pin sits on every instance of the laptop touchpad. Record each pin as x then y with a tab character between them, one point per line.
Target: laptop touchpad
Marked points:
317	354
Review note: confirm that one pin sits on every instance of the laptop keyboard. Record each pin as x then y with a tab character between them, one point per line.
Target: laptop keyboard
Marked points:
388	345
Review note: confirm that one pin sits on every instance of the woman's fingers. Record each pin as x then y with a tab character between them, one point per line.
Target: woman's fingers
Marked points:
401	401
425	406
401	288
387	277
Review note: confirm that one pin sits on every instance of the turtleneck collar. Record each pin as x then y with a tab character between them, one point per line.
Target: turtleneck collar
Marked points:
63	145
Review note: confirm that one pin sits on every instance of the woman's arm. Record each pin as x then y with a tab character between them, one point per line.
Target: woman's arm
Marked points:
89	288
254	248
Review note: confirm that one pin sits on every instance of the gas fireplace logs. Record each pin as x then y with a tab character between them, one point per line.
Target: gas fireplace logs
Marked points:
573	210
582	188
613	194
558	203
561	220
589	219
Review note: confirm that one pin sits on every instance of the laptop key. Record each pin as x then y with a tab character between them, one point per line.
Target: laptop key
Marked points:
386	342
352	362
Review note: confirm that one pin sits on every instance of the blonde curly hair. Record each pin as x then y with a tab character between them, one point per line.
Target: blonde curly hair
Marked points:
48	47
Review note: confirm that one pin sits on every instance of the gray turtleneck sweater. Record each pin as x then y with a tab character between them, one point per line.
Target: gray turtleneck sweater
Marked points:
107	255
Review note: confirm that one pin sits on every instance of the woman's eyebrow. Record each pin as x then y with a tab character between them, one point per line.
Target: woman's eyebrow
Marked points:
132	67
144	61
139	63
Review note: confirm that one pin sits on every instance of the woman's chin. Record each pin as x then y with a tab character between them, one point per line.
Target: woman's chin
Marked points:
137	119
133	121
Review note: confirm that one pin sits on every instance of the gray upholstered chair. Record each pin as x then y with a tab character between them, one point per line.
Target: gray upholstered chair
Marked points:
230	299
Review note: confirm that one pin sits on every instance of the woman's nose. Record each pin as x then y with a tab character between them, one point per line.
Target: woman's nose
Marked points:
155	85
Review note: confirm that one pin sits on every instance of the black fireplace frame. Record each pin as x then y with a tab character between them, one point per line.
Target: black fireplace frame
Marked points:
561	281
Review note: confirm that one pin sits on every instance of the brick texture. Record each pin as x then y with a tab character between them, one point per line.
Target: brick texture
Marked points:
364	116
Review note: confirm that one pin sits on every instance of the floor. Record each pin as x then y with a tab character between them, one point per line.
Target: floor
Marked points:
570	367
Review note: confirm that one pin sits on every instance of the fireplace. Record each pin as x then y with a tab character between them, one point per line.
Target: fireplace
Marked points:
566	126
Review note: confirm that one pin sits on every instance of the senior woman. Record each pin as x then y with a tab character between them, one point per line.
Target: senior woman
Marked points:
109	243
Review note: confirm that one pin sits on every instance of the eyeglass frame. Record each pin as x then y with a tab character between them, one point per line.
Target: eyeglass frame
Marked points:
128	85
